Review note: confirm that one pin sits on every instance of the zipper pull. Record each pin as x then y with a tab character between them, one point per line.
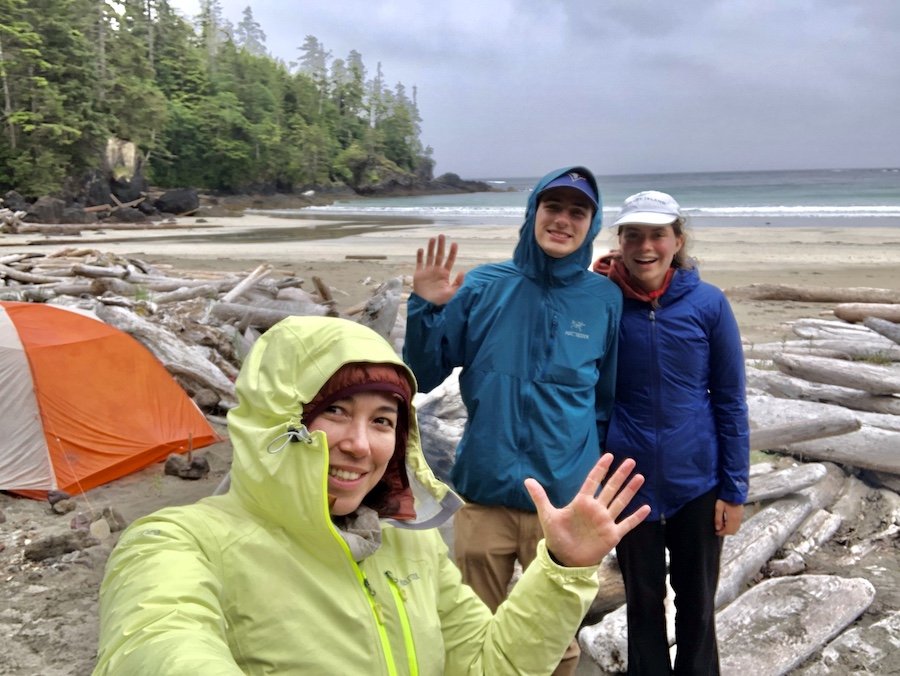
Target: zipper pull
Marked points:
376	606
393	578
652	315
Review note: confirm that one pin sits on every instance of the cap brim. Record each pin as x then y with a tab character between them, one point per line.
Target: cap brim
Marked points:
645	218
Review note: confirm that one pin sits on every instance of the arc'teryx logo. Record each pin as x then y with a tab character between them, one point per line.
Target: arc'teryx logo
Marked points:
576	330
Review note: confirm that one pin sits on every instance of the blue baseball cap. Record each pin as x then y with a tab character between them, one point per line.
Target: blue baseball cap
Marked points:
573	179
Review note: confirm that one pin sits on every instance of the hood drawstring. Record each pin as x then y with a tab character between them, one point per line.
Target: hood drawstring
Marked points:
292	435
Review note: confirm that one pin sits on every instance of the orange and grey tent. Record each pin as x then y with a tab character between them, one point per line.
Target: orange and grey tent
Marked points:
83	403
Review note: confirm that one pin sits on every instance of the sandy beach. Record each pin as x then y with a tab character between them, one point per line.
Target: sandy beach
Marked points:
49	609
353	256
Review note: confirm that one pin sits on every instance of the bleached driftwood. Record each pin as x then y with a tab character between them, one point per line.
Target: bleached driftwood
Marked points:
186	293
884	327
815	294
814	532
779	623
246	283
84	270
847	350
783	386
817	327
380	312
874	649
867	377
766	411
191	362
247	315
785	481
26	277
857	312
762	439
867	448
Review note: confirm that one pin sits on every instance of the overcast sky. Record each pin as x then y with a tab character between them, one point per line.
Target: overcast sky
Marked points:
518	87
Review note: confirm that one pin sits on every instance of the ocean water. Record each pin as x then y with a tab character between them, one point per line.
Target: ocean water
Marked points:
867	195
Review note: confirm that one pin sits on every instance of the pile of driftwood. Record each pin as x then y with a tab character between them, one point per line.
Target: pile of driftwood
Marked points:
199	327
10	220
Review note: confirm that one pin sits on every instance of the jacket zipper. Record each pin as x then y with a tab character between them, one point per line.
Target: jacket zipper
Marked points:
654	361
379	621
400	602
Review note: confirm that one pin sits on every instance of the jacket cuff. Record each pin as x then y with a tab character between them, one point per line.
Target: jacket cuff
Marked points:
559	573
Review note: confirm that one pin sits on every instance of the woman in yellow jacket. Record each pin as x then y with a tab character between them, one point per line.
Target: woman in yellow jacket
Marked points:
323	556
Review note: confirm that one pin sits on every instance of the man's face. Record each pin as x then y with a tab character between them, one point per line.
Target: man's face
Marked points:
562	221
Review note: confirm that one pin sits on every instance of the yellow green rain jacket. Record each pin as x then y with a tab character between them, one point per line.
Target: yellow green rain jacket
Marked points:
259	581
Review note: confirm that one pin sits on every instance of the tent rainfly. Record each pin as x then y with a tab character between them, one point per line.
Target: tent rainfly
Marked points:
83	403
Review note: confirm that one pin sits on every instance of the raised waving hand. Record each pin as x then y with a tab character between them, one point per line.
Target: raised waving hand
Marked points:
585	530
431	279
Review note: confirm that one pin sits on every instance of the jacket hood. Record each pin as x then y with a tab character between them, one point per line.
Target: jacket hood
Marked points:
528	254
279	469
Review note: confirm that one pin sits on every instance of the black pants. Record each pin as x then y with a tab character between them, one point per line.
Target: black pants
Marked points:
694	553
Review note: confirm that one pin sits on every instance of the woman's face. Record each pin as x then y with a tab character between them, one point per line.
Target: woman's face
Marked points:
647	251
361	431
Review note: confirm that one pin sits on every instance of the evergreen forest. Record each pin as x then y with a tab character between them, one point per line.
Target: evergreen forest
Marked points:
201	99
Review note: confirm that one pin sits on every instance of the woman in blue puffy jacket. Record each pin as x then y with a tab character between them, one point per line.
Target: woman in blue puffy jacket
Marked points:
681	413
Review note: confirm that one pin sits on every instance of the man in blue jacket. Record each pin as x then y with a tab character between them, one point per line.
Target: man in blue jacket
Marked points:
536	337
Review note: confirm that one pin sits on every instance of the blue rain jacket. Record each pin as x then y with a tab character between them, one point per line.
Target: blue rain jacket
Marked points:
681	408
536	340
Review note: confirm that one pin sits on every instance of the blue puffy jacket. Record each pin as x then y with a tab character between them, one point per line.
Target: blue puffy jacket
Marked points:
681	408
536	340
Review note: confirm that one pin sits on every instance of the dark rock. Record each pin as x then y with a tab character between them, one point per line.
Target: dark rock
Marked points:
55	496
194	468
45	210
57	545
129	190
127	215
180	201
15	202
78	216
97	192
148	209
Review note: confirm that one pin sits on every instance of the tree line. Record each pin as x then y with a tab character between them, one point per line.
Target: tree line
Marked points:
202	100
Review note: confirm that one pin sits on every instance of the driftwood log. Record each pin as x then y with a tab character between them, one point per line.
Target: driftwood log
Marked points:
814	294
867	377
886	328
783	386
857	312
778	624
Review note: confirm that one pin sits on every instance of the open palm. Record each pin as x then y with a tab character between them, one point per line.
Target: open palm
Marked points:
431	279
585	530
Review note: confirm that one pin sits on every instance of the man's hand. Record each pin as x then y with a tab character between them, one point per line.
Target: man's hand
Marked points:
585	530
431	279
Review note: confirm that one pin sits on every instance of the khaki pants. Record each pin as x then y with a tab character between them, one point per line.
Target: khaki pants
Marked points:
487	543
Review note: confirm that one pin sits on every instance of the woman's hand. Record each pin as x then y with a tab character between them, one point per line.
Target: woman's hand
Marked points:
728	517
585	530
431	279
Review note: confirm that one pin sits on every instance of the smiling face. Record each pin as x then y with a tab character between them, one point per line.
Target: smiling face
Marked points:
648	251
361	432
562	221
